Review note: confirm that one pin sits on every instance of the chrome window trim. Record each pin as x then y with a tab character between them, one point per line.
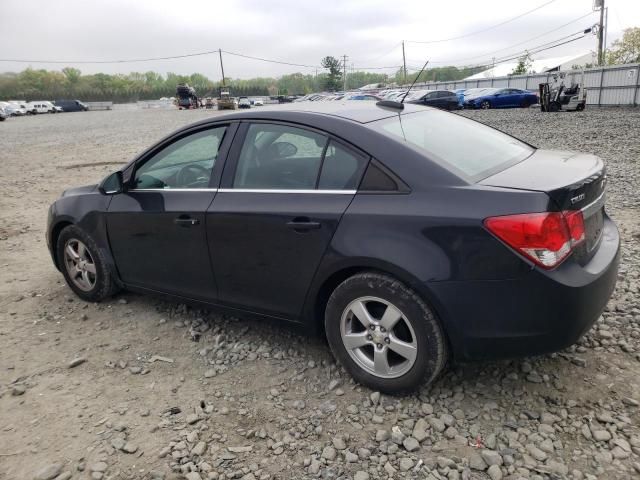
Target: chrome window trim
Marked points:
245	190
173	190
274	190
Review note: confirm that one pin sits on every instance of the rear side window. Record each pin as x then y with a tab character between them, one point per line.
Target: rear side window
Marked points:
279	157
341	168
471	149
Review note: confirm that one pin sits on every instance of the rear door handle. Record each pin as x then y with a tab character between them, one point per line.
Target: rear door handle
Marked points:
186	221
301	224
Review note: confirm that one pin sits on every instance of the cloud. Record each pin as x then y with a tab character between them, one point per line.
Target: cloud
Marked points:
298	31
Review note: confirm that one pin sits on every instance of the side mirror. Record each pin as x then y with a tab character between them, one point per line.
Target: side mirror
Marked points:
112	184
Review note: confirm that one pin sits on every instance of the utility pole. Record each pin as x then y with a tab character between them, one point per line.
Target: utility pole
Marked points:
221	66
344	73
601	33
404	63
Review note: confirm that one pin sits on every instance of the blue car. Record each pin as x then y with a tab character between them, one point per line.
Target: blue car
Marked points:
501	98
460	94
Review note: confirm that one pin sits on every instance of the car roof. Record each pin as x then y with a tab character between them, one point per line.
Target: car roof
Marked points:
360	112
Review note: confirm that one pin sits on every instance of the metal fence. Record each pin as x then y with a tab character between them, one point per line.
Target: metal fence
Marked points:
99	105
614	85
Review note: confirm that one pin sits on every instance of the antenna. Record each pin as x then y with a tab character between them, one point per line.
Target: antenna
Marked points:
400	105
414	82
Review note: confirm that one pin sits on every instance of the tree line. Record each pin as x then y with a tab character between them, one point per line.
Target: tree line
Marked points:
71	83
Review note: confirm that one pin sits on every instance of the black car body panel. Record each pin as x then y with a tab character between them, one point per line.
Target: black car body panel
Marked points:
279	254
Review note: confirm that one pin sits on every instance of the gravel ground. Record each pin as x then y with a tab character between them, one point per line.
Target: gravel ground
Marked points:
138	387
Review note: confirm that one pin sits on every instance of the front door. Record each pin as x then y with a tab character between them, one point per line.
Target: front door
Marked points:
270	227
156	227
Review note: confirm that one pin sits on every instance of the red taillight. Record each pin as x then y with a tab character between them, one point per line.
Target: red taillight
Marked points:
546	238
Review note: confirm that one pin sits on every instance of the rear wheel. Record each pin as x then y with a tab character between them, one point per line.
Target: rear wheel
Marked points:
384	334
83	265
485	105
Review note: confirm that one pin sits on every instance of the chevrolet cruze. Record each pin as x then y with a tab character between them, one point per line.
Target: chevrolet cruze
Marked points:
408	235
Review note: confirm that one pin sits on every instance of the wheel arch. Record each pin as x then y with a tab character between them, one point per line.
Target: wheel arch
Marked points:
56	230
319	295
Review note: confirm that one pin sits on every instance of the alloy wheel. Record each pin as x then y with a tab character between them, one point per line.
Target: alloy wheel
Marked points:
80	265
378	337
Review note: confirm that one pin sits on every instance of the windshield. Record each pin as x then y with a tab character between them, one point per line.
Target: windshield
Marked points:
467	147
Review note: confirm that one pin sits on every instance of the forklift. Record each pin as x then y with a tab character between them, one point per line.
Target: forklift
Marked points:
555	97
225	100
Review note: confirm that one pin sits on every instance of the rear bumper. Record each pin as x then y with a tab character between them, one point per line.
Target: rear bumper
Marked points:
541	312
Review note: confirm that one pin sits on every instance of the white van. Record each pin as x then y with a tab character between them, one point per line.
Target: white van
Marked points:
40	106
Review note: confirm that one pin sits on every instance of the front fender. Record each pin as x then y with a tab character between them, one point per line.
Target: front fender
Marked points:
87	211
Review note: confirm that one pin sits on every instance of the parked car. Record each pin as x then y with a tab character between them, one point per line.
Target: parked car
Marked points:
15	109
409	237
244	102
443	99
74	105
362	96
258	102
501	98
40	106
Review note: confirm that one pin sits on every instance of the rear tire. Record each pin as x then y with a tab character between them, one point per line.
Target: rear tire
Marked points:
409	353
83	265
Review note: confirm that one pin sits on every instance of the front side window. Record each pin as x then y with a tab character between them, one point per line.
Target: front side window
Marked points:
468	148
279	157
186	163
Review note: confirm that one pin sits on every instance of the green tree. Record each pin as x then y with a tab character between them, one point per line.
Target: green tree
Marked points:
626	49
334	77
73	75
523	66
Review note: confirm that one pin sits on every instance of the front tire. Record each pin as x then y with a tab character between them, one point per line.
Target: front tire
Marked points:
485	105
384	334
83	265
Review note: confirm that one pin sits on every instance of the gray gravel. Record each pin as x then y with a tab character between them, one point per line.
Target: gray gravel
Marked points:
253	400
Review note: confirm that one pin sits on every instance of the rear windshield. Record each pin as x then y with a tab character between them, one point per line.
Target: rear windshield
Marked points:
466	147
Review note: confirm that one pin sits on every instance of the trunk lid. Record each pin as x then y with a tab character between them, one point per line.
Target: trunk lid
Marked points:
574	181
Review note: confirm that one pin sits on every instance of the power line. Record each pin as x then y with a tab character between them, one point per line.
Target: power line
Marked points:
150	59
522	42
484	29
384	54
538	48
530	51
378	68
131	60
270	60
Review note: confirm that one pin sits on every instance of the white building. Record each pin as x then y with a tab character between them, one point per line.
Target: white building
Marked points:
539	65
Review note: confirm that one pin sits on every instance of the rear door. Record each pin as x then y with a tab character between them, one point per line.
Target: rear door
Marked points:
285	190
156	227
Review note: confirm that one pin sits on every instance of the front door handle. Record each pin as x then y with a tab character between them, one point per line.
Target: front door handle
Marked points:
302	224
186	221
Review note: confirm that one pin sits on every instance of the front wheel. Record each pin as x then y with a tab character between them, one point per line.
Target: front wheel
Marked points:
83	265
485	105
384	334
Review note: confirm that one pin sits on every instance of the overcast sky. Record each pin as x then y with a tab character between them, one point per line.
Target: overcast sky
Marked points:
297	31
